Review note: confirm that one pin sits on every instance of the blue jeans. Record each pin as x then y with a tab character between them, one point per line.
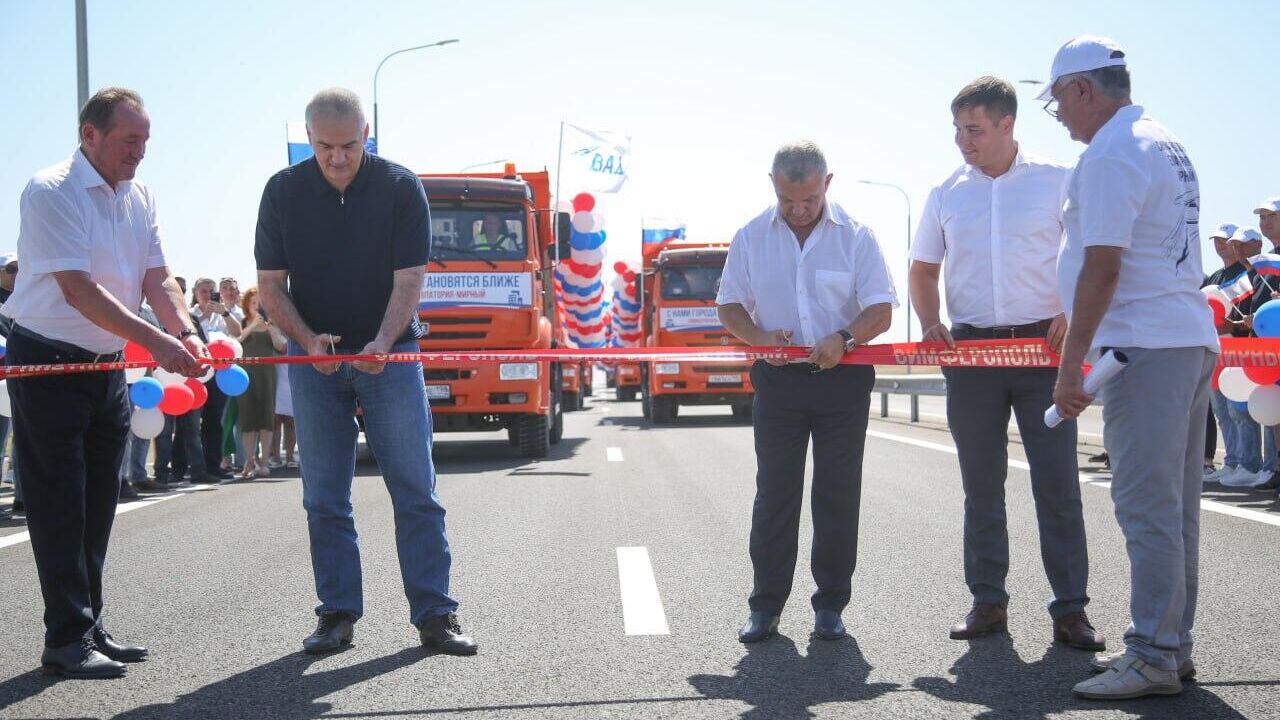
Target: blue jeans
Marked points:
1227	424
1253	455
134	467
398	429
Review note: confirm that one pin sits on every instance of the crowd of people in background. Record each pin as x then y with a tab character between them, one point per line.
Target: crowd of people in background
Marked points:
226	439
1250	450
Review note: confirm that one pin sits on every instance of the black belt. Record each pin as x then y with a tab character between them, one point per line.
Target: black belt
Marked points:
74	353
1008	332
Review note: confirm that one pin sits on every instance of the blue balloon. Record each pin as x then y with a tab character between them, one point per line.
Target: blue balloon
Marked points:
146	393
1266	319
2	347
233	381
586	241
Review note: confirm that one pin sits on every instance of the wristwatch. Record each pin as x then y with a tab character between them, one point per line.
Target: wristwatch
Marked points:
226	313
186	334
849	342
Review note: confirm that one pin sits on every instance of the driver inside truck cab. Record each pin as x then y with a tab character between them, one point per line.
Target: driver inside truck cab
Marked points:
493	235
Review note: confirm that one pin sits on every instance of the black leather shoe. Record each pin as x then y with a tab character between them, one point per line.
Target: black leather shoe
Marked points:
80	661
108	646
445	633
760	625
127	492
150	486
827	625
334	630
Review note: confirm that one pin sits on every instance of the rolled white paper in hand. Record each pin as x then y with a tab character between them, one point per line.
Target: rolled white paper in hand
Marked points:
1107	367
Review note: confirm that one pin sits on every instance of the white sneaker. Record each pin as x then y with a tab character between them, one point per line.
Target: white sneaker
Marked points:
1103	662
1241	478
1217	475
1129	677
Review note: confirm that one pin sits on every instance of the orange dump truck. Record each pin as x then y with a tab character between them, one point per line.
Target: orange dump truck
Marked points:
677	295
489	287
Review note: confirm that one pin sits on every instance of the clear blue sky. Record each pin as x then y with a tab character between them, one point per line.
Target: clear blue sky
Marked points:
707	90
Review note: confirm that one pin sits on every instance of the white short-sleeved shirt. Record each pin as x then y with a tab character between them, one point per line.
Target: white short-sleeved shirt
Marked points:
999	238
71	219
813	291
1135	188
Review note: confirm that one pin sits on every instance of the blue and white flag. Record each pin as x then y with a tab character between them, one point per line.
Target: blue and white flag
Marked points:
593	161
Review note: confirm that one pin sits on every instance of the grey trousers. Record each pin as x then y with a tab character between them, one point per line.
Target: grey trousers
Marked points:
979	402
1155	440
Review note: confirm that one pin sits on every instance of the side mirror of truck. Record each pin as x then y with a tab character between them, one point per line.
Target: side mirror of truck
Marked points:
563	228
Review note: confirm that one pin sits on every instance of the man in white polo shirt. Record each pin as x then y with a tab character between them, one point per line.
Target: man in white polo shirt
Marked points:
996	224
90	247
1130	274
803	272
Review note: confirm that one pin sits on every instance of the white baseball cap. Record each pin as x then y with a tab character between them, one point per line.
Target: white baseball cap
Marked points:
1271	203
7	258
1246	234
1224	231
1082	54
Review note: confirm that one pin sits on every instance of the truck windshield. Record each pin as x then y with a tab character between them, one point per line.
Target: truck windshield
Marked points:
690	282
470	231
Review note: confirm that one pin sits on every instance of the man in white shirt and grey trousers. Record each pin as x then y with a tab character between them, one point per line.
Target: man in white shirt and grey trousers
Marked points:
803	272
1130	273
996	225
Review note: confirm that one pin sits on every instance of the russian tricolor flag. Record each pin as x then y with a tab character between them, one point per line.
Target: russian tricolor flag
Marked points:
1266	264
656	233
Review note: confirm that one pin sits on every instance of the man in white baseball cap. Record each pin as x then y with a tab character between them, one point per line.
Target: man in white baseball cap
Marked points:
1130	274
1268	212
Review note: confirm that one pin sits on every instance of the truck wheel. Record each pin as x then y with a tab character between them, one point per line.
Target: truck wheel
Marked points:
646	403
572	401
513	435
742	411
626	394
533	434
664	410
557	412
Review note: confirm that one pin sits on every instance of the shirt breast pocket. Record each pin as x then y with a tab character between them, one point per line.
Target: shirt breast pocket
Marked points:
834	289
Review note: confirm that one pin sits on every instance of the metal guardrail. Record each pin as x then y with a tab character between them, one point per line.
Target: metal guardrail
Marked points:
913	385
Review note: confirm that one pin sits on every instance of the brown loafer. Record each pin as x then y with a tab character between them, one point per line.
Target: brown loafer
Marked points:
1075	630
983	619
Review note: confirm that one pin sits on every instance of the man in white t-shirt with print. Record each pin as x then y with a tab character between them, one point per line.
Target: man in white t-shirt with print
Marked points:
1130	273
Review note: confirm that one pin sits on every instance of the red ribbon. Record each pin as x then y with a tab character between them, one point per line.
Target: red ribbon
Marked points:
1021	353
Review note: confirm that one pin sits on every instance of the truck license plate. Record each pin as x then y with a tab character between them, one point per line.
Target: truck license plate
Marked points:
438	392
724	379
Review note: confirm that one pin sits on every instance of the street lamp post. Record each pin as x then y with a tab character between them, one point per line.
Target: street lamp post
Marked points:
908	199
378	138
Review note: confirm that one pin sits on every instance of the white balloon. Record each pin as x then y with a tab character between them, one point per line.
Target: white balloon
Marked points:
6	409
166	378
147	423
235	344
208	374
588	257
565	206
1264	405
1235	385
133	375
597	222
582	222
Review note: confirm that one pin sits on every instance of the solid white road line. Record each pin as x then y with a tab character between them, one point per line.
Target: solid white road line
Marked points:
613	454
1093	480
642	612
24	536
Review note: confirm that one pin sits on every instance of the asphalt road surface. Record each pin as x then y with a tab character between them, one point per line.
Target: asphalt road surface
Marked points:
609	580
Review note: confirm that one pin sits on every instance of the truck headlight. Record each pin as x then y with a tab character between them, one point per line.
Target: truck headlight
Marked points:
570	372
518	371
666	368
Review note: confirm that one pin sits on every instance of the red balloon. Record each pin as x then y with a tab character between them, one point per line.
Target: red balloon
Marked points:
178	399
200	392
583	202
1263	375
133	352
1218	309
630	275
620	267
221	350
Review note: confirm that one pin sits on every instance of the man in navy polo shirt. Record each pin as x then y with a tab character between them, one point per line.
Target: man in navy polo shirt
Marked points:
350	214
